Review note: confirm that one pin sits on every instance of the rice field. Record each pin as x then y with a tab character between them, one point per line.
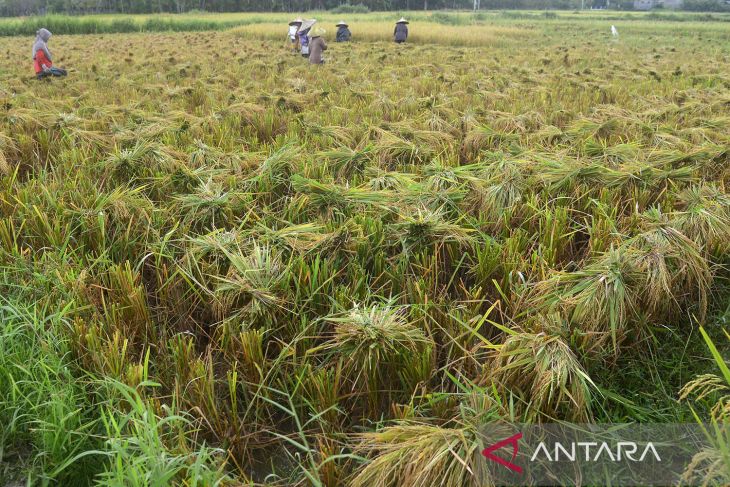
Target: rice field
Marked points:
220	265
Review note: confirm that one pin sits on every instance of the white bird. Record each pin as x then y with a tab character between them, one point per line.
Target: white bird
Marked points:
614	31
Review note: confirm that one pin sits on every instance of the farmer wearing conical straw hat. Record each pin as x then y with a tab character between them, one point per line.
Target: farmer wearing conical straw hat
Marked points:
343	32
401	30
316	45
293	38
303	35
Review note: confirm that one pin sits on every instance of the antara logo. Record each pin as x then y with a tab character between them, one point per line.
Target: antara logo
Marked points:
512	440
580	451
591	451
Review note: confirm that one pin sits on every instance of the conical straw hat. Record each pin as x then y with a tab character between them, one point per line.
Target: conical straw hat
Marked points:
307	24
317	32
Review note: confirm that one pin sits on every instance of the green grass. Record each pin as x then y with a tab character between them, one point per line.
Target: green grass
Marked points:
60	427
44	409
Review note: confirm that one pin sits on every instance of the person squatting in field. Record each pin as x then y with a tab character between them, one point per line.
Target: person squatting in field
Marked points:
316	45
343	33
401	31
42	59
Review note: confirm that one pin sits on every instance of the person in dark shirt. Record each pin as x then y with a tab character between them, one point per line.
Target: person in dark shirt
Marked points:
343	32
401	31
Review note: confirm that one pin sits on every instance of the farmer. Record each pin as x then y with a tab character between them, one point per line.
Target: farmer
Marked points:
42	56
401	31
293	38
343	33
303	34
316	45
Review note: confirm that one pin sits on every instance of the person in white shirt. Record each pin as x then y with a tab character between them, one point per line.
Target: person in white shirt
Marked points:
292	36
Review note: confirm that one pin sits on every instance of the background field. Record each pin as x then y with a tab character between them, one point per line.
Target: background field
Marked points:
98	24
220	265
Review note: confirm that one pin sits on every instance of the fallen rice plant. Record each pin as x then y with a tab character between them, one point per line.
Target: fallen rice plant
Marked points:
225	266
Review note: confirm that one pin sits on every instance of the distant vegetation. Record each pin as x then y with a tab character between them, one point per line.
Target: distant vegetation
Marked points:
61	24
77	7
270	24
350	9
705	6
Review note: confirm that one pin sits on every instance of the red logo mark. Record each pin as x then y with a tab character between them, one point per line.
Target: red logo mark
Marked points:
512	440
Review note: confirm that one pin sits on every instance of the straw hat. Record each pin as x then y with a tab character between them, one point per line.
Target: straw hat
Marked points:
341	22
306	24
402	21
317	32
296	21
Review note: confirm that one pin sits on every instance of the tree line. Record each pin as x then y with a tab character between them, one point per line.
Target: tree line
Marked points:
12	8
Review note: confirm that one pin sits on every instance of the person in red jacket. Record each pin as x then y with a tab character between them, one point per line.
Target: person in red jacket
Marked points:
42	62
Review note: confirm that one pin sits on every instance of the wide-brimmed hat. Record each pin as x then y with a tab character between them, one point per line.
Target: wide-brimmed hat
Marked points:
317	32
402	21
306	24
296	21
341	22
